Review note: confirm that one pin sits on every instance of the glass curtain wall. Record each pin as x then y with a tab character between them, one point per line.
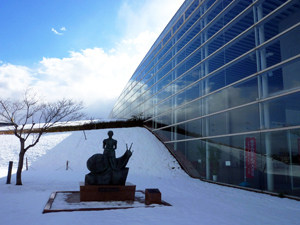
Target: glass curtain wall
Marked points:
221	88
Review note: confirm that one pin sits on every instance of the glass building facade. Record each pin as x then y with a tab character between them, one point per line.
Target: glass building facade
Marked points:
221	88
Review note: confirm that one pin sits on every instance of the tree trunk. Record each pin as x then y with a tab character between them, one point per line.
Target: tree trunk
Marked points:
21	161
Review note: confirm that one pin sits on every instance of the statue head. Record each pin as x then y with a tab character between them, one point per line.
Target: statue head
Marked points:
110	133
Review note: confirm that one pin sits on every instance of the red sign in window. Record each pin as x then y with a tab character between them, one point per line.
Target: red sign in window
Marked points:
250	156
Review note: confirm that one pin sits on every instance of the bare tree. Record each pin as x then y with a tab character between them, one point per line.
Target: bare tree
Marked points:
32	117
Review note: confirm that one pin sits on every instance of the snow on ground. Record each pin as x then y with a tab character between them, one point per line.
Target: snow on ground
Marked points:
151	166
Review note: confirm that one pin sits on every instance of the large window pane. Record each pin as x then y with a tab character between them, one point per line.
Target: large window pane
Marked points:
284	111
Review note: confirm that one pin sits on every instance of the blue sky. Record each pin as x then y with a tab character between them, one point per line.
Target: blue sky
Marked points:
26	29
85	50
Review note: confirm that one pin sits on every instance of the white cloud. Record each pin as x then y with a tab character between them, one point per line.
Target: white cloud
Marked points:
94	75
151	15
63	28
13	80
56	31
90	74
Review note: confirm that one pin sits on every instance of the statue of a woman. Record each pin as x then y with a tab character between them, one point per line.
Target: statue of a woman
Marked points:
109	146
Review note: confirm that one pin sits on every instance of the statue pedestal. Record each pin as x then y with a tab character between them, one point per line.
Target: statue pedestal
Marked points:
89	193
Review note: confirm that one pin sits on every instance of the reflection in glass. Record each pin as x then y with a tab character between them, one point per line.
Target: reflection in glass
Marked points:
220	81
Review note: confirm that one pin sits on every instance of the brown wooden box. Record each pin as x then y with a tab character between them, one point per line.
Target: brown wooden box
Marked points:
152	196
107	192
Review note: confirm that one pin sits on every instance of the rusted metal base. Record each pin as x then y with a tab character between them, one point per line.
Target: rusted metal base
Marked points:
93	193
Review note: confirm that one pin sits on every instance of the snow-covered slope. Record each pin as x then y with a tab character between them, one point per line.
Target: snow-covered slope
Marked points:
150	157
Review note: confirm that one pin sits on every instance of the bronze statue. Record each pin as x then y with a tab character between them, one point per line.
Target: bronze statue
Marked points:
109	146
105	168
